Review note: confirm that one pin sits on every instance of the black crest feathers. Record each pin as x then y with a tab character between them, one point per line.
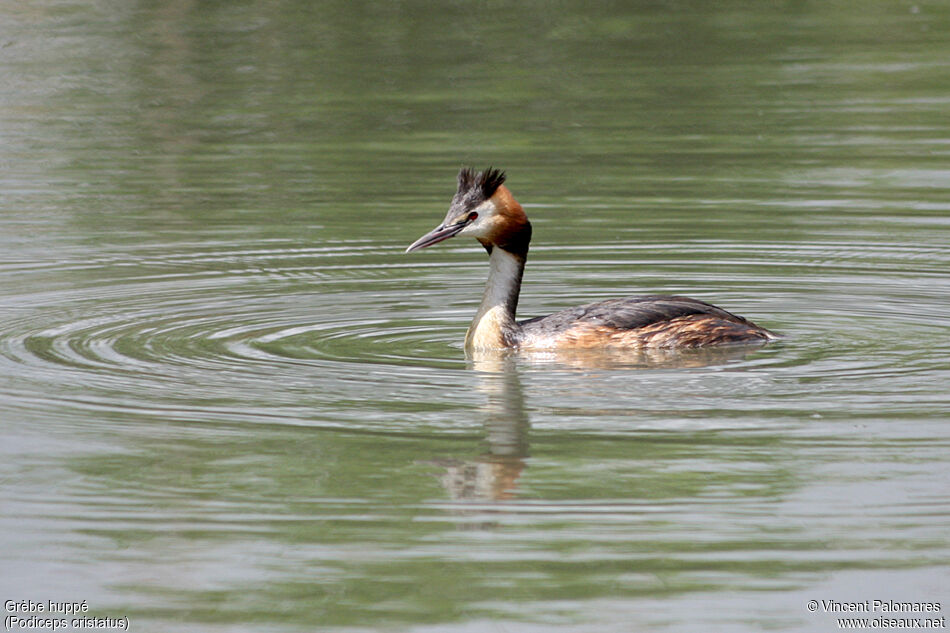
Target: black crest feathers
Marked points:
485	183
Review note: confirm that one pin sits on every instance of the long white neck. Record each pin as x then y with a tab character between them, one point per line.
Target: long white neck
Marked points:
494	325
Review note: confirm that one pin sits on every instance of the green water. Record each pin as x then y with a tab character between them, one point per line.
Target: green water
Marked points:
229	402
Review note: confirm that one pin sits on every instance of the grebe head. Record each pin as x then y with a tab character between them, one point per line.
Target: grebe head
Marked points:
482	208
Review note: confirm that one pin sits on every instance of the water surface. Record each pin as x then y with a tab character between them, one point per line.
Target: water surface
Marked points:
228	402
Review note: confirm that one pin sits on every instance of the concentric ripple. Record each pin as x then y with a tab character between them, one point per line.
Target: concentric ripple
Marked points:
283	332
218	332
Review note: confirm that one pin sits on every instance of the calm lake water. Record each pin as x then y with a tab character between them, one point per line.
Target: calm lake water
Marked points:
229	402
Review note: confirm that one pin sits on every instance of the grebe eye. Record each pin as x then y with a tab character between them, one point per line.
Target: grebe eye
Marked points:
472	216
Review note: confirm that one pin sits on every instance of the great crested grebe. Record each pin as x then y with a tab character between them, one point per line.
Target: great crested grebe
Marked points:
484	208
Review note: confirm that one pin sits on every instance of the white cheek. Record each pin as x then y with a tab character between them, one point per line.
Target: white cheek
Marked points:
476	228
481	227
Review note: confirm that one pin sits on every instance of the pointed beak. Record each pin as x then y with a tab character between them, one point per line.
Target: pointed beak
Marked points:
439	234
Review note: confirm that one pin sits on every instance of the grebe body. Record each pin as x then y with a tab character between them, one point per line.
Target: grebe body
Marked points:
485	209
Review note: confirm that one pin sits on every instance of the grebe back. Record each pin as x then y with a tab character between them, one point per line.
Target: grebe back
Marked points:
484	208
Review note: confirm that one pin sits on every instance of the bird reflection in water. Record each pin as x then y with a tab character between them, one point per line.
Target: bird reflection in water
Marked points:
494	475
